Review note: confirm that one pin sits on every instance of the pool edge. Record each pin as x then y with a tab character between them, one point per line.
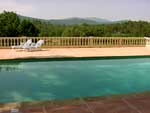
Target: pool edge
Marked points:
36	59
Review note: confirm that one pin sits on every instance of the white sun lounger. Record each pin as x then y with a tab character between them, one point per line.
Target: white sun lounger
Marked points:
23	45
37	45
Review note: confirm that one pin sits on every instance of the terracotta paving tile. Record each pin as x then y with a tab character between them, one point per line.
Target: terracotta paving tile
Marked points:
141	104
32	110
69	109
110	107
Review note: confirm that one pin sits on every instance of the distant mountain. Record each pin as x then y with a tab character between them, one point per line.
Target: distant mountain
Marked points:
99	20
31	18
120	21
73	21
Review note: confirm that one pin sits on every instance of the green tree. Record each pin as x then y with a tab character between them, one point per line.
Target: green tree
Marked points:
9	23
26	28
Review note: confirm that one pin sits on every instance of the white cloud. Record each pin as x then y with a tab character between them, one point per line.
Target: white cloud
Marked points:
13	5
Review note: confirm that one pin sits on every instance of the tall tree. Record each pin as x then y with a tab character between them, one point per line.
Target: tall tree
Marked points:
26	28
9	23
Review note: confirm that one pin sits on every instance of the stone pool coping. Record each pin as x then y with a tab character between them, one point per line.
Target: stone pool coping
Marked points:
126	103
9	54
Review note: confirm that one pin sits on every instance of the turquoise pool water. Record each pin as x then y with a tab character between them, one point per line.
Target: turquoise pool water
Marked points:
46	80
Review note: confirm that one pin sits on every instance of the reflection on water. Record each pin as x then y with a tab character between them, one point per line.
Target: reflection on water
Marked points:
27	81
9	67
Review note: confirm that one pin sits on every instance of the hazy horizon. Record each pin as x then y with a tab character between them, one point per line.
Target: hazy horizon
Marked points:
60	9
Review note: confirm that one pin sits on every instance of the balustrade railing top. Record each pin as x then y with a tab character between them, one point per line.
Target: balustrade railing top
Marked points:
60	42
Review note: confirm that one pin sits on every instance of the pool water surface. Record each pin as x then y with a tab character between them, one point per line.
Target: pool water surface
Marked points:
49	80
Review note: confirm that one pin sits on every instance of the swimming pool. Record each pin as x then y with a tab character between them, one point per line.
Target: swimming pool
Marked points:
46	80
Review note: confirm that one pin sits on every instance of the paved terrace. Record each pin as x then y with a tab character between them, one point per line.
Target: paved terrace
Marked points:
74	52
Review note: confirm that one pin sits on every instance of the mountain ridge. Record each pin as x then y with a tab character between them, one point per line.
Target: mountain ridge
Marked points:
73	20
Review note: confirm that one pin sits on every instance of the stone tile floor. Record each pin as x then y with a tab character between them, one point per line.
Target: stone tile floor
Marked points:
134	103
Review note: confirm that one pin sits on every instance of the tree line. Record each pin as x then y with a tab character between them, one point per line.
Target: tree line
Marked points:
12	26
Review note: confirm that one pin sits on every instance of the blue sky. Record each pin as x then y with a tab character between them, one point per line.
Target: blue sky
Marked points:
56	9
